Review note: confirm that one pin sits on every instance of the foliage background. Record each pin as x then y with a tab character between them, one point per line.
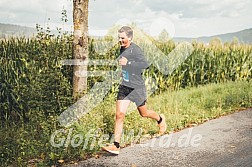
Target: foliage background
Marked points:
36	88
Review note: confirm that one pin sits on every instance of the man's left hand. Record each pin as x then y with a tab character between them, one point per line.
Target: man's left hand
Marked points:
123	61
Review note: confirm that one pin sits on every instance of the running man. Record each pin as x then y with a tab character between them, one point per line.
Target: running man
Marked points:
132	88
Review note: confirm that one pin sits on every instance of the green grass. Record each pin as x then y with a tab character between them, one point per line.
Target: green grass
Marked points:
196	105
182	109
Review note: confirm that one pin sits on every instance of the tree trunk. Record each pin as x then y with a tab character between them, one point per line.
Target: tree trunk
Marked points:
80	46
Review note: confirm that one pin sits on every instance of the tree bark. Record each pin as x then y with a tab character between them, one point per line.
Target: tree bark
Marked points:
80	46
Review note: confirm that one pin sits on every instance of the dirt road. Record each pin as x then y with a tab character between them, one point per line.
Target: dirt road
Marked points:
226	142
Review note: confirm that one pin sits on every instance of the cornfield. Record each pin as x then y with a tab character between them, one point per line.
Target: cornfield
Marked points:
32	77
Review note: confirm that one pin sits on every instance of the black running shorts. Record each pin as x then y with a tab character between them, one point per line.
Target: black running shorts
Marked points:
136	95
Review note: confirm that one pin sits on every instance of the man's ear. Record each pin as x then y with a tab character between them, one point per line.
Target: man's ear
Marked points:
129	39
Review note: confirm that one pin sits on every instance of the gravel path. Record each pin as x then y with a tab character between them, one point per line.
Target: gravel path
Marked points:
226	142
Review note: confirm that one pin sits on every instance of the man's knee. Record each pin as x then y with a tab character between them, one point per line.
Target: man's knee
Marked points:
120	115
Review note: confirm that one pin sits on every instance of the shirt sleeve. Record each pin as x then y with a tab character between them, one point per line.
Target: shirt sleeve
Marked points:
139	62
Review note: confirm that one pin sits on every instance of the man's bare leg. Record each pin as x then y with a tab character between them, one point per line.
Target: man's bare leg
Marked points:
148	113
153	115
121	108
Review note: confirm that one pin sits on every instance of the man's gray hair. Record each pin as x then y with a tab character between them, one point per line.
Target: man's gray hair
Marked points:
128	31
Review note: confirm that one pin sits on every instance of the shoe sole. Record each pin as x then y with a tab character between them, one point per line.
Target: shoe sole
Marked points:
110	151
